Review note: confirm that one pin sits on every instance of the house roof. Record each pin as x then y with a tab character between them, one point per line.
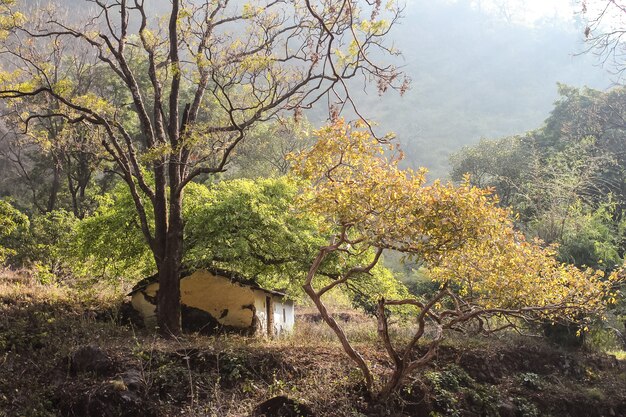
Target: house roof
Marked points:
231	275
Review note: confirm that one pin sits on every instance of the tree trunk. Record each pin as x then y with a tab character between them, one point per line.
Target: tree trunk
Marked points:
56	184
73	192
347	347
82	179
169	311
395	381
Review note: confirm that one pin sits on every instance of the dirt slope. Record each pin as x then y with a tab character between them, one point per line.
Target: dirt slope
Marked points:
64	357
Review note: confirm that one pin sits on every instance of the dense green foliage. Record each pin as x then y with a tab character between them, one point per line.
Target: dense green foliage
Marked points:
12	224
44	242
244	225
567	179
109	244
249	226
49	245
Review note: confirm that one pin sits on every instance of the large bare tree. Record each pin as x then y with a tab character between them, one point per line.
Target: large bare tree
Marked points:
195	82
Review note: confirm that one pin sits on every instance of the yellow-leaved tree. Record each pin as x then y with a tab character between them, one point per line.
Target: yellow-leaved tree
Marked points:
489	275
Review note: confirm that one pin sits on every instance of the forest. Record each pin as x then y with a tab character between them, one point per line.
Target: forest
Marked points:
176	176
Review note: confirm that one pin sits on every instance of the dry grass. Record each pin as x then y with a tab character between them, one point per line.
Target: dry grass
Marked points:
360	328
23	285
218	376
221	376
18	284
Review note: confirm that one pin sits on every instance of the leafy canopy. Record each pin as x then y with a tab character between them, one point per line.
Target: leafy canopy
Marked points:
565	179
465	238
248	226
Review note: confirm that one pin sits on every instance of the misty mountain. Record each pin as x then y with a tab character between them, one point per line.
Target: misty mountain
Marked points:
476	76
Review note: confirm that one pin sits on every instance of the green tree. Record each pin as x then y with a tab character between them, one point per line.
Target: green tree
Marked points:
50	236
109	244
592	237
249	226
13	223
51	160
501	164
265	152
245	225
565	179
43	243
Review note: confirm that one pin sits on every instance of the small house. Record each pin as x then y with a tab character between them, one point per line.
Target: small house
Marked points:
215	300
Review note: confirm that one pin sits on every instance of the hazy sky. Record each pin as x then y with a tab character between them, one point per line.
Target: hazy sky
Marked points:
529	11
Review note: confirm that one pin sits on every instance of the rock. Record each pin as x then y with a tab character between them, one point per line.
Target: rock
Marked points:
108	401
282	406
507	410
90	359
133	379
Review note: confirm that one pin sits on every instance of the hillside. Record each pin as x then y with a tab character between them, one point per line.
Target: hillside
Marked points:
476	75
68	356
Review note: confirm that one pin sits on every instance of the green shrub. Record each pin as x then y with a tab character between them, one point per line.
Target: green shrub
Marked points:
13	228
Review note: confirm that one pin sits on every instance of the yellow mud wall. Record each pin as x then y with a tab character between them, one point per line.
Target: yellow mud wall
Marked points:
215	294
145	307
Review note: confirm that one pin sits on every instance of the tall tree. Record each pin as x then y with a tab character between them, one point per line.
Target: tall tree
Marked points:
11	221
214	70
